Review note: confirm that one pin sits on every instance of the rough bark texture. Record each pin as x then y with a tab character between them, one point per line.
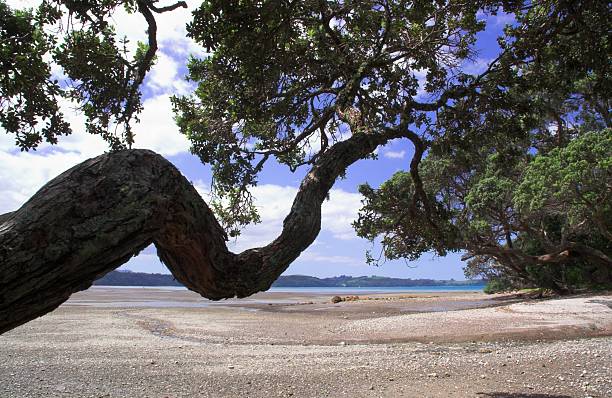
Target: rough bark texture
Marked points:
97	215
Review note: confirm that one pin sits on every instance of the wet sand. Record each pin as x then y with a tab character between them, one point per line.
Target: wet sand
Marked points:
108	342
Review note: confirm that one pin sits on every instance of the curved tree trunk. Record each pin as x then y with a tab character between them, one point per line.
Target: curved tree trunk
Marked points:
97	215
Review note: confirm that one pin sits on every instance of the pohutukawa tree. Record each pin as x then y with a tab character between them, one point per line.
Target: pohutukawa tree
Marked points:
315	84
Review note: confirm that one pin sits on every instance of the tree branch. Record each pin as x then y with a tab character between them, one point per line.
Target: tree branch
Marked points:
167	8
97	215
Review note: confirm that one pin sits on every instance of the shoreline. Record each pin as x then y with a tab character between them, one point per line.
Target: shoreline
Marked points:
377	318
330	290
121	342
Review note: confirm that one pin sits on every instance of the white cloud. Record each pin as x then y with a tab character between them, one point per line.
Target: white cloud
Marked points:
23	173
21	4
339	212
503	19
164	77
476	66
157	130
421	76
394	154
315	257
171	27
274	203
164	73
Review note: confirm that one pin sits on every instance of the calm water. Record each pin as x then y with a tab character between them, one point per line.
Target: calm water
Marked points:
389	289
339	290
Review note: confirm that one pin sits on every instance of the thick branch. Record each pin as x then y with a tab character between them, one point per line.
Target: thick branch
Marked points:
97	215
563	254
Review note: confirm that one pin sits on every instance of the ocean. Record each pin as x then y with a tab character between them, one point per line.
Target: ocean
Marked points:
339	290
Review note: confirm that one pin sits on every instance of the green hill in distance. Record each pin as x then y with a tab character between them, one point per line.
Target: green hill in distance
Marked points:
128	278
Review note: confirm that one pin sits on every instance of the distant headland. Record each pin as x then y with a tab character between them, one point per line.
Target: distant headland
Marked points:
128	278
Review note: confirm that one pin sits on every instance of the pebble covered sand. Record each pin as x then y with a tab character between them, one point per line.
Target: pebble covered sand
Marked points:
155	343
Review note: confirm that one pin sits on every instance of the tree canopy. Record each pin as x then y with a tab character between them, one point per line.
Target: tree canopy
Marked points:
511	158
102	80
518	172
544	220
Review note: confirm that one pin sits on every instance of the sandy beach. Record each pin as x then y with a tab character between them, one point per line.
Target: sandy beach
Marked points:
111	342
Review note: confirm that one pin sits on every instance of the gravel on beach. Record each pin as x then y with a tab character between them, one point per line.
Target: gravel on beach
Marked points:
367	348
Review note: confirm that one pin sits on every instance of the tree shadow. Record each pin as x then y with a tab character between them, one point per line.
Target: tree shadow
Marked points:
519	395
607	303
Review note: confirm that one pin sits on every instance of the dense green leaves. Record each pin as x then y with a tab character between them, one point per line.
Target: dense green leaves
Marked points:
288	79
505	216
516	179
93	70
572	182
28	95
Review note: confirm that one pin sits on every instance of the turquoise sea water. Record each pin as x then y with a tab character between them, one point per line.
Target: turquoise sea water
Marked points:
340	290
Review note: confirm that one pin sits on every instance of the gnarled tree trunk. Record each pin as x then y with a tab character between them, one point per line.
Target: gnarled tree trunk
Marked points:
97	215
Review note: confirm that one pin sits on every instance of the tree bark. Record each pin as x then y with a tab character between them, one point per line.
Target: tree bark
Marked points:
94	217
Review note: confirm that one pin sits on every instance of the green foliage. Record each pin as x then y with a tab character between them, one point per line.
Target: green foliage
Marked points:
498	286
511	164
28	94
403	234
286	80
572	182
504	214
100	79
98	84
518	173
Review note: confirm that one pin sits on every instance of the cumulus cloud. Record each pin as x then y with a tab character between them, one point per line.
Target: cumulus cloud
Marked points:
395	154
164	75
421	76
338	213
157	130
274	203
503	19
23	173
477	66
316	257
171	28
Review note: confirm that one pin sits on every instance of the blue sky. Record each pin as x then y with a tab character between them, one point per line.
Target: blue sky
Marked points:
336	251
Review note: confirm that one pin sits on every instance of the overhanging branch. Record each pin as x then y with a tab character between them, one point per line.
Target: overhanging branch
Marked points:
97	215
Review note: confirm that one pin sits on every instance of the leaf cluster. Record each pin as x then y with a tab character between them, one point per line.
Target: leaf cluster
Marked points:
92	69
287	79
518	169
28	95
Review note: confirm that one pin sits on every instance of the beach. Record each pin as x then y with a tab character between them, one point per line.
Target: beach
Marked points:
155	342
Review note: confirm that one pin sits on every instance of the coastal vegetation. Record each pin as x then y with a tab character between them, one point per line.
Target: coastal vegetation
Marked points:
506	212
511	154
